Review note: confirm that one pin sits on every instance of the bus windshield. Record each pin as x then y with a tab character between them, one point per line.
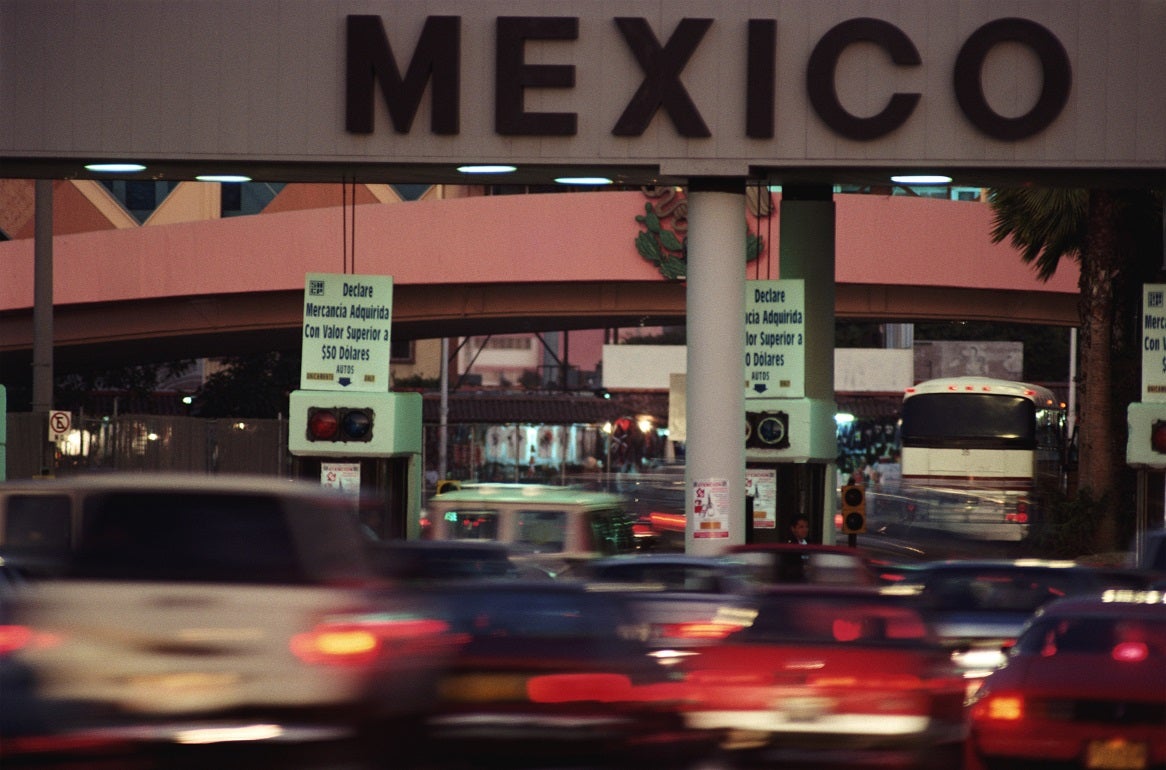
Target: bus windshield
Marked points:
969	420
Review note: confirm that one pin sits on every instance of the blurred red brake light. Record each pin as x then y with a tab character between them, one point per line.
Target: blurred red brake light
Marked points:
13	638
697	630
569	688
1000	707
1130	652
359	642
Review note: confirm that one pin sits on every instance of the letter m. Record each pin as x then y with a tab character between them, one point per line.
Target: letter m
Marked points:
370	59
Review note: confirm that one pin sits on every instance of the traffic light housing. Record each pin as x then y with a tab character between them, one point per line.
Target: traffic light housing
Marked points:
338	423
767	430
342	424
853	509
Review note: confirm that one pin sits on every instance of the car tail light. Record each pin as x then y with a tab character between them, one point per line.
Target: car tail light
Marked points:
874	681
13	638
697	630
999	707
1020	515
569	688
1130	652
359	642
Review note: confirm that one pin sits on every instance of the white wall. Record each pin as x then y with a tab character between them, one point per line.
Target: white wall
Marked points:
642	367
873	370
856	370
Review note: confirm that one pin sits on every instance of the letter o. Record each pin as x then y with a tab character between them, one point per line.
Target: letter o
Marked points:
1055	69
820	71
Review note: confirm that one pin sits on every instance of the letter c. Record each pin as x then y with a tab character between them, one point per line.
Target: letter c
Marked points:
824	61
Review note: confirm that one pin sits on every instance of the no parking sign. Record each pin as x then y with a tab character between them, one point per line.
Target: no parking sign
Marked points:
60	423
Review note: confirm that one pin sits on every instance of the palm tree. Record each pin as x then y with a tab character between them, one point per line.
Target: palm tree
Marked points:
1111	234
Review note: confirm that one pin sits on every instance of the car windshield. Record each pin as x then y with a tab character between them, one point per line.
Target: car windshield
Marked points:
996	590
1094	635
694	578
834	619
536	614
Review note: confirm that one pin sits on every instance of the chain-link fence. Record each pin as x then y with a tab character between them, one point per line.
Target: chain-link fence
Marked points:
554	454
148	443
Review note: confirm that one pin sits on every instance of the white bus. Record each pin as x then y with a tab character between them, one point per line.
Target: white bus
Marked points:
977	453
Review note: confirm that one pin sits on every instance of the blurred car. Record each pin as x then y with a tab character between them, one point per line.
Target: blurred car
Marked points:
977	607
670	572
777	563
829	675
1084	686
679	599
541	524
1152	556
194	608
425	560
552	674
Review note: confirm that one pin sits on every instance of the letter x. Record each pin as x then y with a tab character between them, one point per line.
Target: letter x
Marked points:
662	86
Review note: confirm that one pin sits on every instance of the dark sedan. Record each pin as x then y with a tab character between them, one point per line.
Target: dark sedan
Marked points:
553	674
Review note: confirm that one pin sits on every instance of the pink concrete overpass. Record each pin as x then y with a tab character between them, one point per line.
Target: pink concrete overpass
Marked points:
481	265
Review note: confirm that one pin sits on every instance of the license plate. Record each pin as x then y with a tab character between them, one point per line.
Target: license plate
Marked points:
482	688
1115	754
805	708
184	682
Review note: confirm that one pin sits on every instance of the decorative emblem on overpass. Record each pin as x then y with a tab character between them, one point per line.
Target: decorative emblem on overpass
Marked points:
664	241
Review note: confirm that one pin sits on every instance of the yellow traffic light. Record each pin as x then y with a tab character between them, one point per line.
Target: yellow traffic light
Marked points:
853	509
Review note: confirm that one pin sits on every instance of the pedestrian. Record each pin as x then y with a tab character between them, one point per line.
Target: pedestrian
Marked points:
799	529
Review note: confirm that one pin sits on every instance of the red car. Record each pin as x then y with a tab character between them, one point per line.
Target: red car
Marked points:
1084	686
830	675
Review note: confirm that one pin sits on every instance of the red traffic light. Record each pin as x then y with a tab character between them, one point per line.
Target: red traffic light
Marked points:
323	424
339	424
1158	436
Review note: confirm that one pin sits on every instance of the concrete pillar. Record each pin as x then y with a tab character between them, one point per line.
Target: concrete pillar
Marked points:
807	252
715	400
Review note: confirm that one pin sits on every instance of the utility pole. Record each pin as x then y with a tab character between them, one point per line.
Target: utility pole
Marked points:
42	319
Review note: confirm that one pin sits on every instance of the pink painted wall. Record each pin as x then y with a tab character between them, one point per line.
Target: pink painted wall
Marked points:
504	239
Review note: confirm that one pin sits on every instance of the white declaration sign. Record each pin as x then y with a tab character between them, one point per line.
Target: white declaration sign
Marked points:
1154	342
346	342
775	339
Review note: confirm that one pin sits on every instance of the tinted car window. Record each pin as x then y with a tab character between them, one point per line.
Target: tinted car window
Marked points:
186	537
37	523
672	577
1090	634
470	525
413	561
612	532
999	590
541	531
533	614
824	619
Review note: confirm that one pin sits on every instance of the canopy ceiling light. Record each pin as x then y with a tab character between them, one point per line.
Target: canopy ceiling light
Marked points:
596	180
915	179
223	178
487	169
115	168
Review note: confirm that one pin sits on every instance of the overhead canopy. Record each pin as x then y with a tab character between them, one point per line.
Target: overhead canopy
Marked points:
657	92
